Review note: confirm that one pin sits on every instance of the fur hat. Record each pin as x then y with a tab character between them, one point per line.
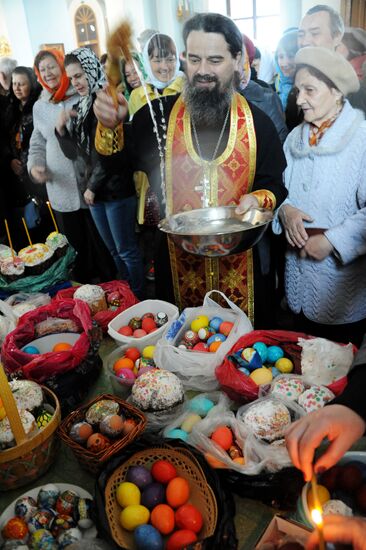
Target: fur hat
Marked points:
331	64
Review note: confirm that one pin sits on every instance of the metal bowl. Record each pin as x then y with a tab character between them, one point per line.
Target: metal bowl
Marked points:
216	232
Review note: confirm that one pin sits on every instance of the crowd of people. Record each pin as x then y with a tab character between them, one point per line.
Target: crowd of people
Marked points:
199	129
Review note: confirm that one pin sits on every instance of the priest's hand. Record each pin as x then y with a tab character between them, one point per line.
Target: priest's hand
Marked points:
339	424
292	220
342	530
246	203
107	112
317	248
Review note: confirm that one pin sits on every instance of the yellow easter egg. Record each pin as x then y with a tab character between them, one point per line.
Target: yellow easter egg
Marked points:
148	352
323	496
284	365
128	494
248	353
201	321
190	421
133	516
261	376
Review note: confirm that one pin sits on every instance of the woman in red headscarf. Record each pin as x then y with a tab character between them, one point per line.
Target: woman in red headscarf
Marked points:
48	165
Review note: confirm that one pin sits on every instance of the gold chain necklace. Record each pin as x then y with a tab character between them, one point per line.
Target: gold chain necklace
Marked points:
205	182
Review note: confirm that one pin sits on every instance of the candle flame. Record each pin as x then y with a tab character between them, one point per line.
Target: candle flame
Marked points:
317	517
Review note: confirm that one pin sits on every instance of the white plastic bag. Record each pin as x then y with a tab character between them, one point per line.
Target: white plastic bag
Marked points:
197	369
323	361
270	455
8	320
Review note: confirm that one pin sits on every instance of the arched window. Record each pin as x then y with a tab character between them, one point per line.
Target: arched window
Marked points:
86	28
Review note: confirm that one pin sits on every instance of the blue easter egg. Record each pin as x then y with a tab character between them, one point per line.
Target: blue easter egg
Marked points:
201	405
254	363
215	323
244	370
177	433
274	353
31	349
262	349
216	338
148	538
275	372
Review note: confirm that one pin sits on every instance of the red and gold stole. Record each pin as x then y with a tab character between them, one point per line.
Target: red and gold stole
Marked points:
231	175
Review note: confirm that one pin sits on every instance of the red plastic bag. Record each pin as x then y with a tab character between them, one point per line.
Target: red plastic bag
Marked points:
241	388
43	366
116	290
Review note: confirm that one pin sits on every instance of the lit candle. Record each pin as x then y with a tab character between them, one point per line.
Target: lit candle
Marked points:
9	239
27	232
317	518
52	216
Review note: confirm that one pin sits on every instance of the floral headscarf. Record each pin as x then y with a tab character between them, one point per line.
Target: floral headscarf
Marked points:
96	78
151	79
61	92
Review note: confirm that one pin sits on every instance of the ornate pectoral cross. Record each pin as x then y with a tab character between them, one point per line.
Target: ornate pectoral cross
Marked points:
205	186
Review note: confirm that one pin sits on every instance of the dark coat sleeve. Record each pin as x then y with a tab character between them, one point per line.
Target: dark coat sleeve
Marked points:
353	396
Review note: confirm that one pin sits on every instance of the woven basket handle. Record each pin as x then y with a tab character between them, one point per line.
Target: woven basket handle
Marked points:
11	408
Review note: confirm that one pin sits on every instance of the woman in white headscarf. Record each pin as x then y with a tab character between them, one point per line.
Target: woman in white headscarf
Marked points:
161	63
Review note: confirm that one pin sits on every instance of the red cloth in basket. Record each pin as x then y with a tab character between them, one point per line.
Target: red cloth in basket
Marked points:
123	293
241	388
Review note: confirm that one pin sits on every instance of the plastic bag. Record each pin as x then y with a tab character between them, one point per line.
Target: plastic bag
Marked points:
323	362
241	388
23	302
114	290
197	369
58	271
41	367
221	403
269	455
156	421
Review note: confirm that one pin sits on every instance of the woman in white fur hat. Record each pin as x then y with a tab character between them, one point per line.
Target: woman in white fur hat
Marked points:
324	216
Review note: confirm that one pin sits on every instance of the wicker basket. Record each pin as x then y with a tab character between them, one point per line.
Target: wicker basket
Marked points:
32	457
94	462
187	466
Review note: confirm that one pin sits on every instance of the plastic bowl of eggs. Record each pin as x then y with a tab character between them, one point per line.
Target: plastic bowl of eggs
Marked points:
341	490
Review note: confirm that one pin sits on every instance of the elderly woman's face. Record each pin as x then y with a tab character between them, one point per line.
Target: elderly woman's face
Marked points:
50	71
318	102
163	68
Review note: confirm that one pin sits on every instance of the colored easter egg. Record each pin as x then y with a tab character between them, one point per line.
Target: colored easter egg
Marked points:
214	346
274	353
261	376
61	346
162	518
215	323
163	471
61	523
180	539
125	330
67	502
200	321
204	333
216	338
177	492
83	513
42	519
323	496
201	405
69	537
139	333
201	346
248	354
244	371
128	493
148	324
125	374
148	538
223	436
43	539
123	363
134	515
190	338
284	365
97	442
190	421
177	433
225	328
153	495
112	425
148	352
80	432
129	425
43	419
25	507
252	359
135	323
16	528
31	350
139	475
262	349
189	517
275	372
214	462
133	354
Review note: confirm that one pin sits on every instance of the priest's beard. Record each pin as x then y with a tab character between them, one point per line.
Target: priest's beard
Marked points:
208	107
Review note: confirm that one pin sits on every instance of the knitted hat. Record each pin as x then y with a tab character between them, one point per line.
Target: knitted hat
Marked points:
331	64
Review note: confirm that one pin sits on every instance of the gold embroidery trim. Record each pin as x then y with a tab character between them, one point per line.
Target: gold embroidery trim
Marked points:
108	140
265	198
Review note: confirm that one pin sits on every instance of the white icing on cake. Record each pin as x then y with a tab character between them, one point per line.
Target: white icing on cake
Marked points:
157	390
27	394
56	240
290	388
89	293
6	435
35	254
336	507
9	267
267	419
315	398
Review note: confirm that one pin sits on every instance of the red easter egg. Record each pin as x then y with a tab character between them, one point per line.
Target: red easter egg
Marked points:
139	333
177	492
226	327
97	442
133	354
223	436
201	346
180	539
129	425
189	517
16	528
163	471
162	518
148	324
125	330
